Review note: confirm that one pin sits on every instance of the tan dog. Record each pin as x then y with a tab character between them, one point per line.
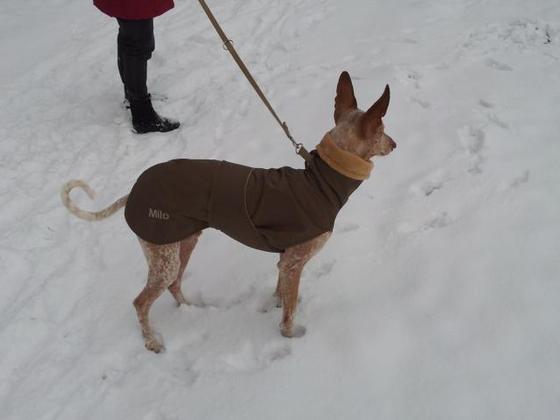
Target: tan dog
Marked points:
169	226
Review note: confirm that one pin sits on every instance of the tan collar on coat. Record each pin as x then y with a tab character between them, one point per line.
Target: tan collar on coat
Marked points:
346	163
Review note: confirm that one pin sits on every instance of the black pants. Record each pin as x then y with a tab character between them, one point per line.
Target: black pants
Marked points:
135	44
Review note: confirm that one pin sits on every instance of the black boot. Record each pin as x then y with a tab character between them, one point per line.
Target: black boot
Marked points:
146	120
135	46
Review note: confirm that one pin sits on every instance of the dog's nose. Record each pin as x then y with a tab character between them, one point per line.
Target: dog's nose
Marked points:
392	142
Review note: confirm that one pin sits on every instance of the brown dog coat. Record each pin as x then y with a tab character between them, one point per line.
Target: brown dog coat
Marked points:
266	209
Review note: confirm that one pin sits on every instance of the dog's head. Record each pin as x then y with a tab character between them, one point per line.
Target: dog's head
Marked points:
358	132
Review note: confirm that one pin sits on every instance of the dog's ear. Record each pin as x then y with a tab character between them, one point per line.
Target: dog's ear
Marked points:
372	118
345	100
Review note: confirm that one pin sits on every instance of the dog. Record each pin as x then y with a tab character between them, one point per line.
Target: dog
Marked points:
287	211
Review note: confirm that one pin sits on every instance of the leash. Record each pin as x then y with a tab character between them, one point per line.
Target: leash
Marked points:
228	44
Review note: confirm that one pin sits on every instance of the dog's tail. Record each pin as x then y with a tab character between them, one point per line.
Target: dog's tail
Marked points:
88	215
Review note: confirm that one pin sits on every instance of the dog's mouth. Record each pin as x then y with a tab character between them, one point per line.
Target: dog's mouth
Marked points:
392	145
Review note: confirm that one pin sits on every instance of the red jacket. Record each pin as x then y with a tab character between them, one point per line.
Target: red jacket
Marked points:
134	9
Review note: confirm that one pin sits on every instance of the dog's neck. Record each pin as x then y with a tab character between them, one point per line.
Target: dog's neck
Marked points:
342	161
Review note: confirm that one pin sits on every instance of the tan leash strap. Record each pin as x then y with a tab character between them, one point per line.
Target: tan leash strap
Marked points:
228	43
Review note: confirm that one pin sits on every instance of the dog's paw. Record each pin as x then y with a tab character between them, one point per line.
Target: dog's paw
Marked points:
154	345
296	331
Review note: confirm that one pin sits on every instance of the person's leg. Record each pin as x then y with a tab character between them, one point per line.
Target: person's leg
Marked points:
120	66
135	46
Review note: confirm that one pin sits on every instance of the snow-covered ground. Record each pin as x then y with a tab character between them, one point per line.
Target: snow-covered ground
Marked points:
438	296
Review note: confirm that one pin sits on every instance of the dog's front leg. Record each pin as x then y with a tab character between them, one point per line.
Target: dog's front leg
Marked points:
290	266
289	277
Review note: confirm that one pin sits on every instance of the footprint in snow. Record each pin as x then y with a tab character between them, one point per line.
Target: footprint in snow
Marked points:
249	358
473	141
492	117
427	187
422	103
494	64
520	180
430	187
350	227
408	77
516	182
439	221
325	268
270	303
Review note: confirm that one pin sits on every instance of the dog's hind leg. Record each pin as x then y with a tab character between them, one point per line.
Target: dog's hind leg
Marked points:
290	266
164	263
186	249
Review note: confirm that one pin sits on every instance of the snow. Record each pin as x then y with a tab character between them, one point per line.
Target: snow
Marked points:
437	296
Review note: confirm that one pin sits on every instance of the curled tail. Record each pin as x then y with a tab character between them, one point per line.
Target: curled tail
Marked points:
88	215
